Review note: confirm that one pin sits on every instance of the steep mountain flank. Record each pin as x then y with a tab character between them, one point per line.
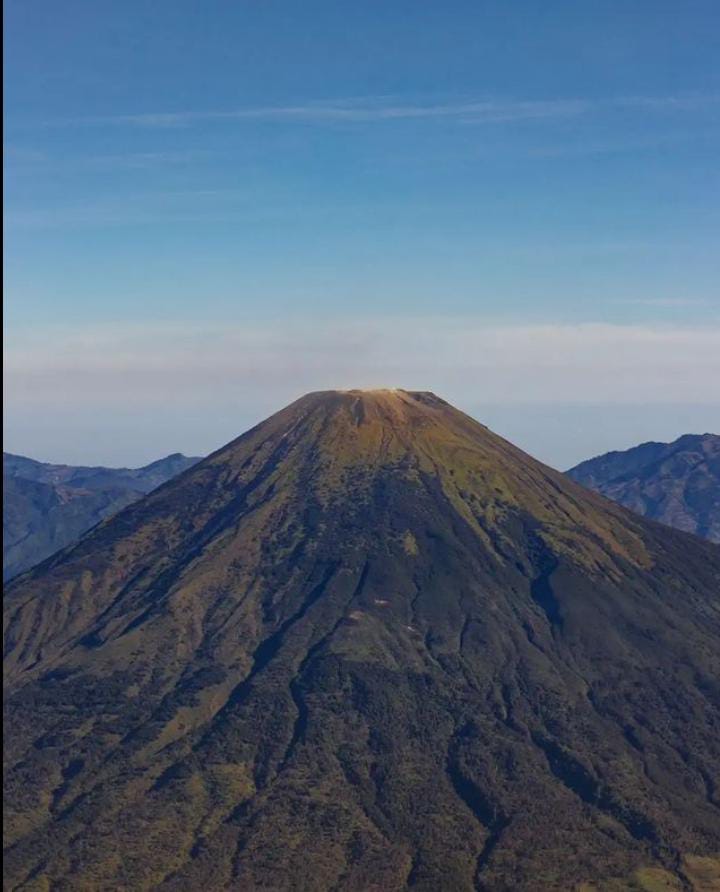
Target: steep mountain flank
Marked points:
369	645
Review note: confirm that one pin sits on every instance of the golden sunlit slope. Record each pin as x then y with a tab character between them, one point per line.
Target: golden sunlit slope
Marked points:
367	645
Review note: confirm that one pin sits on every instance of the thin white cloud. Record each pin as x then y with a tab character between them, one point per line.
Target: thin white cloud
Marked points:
466	360
370	110
383	108
692	102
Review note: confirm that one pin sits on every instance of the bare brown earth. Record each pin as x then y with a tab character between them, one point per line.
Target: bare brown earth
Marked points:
369	645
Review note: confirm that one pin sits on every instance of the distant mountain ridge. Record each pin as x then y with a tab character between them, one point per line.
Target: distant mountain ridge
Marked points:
47	506
674	483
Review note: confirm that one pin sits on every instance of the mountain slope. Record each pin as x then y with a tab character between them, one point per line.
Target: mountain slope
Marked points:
46	507
368	645
674	483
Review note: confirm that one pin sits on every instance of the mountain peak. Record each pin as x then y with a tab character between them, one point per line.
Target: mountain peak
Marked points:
368	644
376	396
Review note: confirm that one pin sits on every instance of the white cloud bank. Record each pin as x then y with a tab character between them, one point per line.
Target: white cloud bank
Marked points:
265	365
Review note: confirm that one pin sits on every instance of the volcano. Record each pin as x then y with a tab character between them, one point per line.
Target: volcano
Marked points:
369	645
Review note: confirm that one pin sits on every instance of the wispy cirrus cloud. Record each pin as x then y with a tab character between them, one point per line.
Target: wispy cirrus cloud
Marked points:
357	110
691	102
377	109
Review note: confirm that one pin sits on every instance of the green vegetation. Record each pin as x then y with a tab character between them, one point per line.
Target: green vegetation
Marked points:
369	645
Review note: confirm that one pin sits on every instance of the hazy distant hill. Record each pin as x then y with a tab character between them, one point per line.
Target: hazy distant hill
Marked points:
46	506
369	645
675	483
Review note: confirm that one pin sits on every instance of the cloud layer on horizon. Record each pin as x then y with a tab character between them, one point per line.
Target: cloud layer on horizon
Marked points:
271	363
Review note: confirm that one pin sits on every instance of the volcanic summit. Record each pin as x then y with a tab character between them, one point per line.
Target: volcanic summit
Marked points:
368	645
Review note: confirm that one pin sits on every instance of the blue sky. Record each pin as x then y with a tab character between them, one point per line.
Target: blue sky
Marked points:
211	207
